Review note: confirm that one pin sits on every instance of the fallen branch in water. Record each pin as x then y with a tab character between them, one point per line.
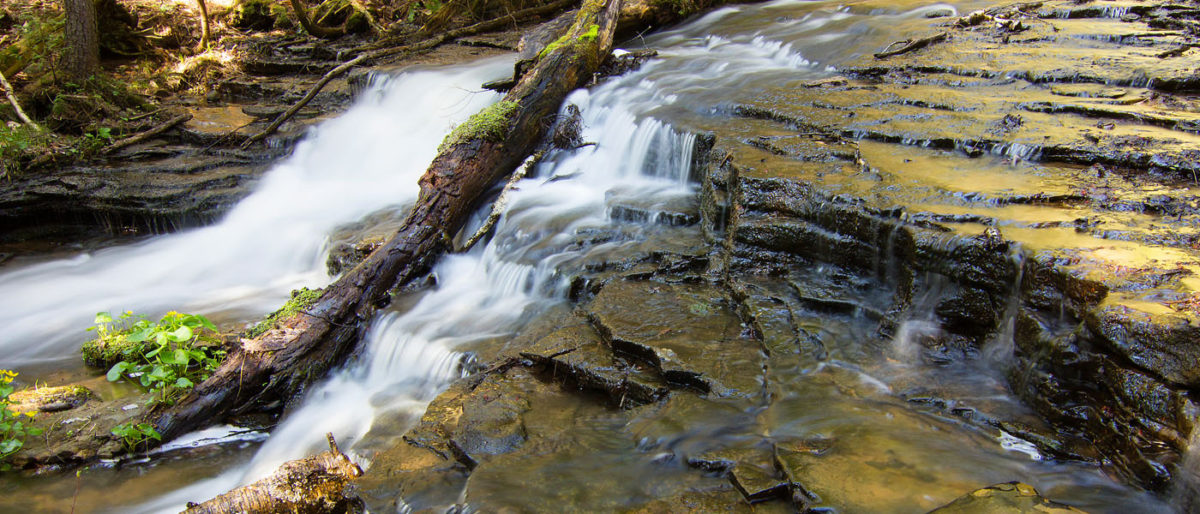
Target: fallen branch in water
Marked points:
911	45
311	484
12	99
142	136
500	204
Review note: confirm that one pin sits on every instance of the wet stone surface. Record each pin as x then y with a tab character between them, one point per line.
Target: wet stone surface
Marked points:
926	255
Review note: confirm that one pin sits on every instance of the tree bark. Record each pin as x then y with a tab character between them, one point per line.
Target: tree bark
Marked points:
312	484
311	26
204	32
82	35
301	349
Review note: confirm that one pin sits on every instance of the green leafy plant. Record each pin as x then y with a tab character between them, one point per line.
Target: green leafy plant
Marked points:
133	435
12	430
168	357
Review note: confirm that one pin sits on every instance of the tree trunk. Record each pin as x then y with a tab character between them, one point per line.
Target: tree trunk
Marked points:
310	25
302	349
82	56
204	32
312	484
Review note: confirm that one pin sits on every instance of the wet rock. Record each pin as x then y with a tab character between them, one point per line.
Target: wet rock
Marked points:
1008	497
687	332
1167	344
577	355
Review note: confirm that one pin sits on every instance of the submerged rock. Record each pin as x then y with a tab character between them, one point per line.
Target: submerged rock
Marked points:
1002	498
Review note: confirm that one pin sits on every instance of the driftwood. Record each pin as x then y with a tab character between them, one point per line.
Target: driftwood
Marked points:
374	55
302	348
909	45
142	136
312	484
12	99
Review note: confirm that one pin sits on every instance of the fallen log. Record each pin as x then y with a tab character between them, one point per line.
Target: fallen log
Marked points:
311	484
480	152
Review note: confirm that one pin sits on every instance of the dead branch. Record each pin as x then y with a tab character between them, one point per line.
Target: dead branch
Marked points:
142	136
910	45
12	99
499	205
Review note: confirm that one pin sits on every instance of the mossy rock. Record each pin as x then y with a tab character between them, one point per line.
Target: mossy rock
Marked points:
107	351
301	299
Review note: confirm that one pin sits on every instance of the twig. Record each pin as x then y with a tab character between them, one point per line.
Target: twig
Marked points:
12	99
911	45
426	44
142	136
499	205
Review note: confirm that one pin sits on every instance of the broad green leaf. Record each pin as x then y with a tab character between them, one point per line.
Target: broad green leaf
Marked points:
183	382
181	334
140	335
114	373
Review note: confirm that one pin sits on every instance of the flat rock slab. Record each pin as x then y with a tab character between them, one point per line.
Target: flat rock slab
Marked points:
687	331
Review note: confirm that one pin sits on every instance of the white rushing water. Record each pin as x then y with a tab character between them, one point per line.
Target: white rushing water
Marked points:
272	242
412	355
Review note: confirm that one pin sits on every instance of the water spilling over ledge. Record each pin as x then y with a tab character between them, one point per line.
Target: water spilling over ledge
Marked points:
774	284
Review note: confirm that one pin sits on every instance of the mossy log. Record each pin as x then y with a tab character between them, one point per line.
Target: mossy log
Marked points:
302	348
312	484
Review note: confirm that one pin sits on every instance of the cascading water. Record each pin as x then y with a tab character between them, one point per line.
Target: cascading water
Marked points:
415	349
273	241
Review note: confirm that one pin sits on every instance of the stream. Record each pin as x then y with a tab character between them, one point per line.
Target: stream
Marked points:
368	160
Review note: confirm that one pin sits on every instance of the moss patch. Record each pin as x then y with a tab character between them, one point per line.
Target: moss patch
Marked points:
103	352
302	298
592	33
490	124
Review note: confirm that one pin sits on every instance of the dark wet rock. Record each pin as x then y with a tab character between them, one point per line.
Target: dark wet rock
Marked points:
1168	345
149	196
751	470
576	355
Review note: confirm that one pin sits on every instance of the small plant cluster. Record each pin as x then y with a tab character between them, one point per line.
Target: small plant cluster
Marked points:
168	357
133	435
13	431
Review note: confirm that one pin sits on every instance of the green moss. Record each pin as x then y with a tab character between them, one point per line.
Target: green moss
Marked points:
302	298
553	46
103	352
592	33
490	123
